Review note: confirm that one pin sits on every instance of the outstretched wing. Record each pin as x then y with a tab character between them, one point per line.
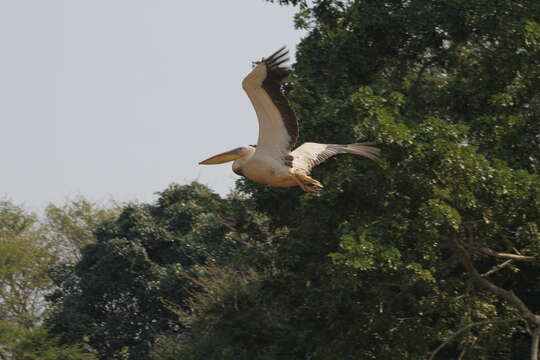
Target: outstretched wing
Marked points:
278	127
309	155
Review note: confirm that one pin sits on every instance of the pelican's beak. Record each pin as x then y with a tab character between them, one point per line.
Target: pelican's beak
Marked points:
223	157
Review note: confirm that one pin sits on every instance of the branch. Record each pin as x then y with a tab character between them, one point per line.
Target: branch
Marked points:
460	331
497	268
201	282
228	222
509	296
465	348
488	251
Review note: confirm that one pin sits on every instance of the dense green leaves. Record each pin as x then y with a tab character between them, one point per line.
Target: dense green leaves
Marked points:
448	90
119	294
36	343
24	260
70	226
28	260
376	267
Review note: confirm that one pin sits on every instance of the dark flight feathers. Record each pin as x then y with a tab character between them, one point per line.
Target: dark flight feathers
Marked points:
275	77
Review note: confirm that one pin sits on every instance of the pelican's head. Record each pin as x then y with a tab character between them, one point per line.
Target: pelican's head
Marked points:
239	155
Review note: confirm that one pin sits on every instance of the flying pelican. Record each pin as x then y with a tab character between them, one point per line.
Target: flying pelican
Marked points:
272	161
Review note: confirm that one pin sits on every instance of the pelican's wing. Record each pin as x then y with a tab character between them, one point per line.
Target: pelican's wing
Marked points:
278	127
309	155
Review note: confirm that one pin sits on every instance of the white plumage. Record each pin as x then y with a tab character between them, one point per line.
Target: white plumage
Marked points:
272	161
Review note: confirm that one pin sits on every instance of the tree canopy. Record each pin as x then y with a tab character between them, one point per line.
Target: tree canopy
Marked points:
429	253
28	258
380	260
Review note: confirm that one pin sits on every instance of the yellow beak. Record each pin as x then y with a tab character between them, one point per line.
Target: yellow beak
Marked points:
223	157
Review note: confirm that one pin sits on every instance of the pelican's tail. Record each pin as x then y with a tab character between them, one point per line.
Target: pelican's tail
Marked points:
364	149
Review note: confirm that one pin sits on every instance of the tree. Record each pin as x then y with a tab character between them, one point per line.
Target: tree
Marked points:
70	226
440	237
431	252
120	293
26	258
36	343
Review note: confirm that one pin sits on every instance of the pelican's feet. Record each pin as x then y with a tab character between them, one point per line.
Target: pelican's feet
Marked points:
307	183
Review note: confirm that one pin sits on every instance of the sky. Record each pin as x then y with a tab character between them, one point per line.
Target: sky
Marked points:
117	99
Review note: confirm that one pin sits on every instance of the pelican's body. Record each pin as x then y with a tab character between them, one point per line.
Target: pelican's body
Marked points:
272	161
265	169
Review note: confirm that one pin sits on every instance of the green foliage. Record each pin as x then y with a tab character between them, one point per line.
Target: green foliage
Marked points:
229	298
449	92
36	344
70	226
24	260
146	258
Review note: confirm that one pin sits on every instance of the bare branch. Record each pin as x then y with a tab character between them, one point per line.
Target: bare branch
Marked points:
488	251
198	281
497	268
228	222
509	296
463	329
462	355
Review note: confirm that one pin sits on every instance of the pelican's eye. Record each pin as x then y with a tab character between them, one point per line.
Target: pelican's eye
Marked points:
238	172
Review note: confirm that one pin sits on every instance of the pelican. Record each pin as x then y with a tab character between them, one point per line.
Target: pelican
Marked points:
273	161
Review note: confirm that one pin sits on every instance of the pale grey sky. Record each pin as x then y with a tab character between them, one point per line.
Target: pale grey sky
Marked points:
119	98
